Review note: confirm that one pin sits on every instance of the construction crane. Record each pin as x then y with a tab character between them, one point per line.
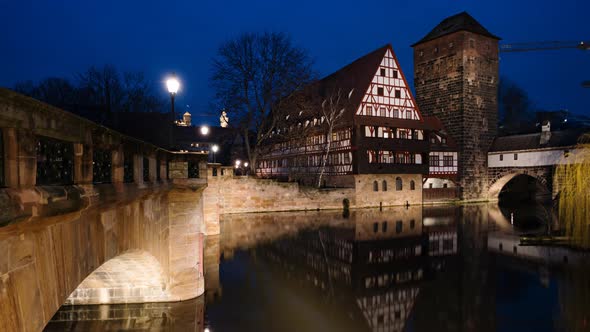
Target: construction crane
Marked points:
544	46
547	46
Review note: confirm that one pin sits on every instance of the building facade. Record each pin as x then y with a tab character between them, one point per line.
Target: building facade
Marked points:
360	127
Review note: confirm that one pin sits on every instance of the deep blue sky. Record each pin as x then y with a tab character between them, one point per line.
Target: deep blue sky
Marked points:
59	38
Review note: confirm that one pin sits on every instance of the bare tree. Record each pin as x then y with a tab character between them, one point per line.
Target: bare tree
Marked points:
53	90
332	110
253	76
138	96
102	87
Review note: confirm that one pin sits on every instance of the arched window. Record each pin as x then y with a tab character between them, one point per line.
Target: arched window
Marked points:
384	185
375	186
398	183
412	185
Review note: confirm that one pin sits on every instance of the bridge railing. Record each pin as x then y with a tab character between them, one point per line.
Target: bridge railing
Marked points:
45	151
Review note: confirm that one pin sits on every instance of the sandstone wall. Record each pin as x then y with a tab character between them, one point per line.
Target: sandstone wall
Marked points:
46	258
228	194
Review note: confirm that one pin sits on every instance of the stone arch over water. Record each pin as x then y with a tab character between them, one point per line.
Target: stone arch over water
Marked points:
500	182
132	277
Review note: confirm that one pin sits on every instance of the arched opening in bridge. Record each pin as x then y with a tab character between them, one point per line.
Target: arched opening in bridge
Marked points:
524	201
133	277
523	189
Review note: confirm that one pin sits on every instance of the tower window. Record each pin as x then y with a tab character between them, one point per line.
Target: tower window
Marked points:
375	186
471	43
421	53
380	91
382	71
501	157
398	93
516	156
436	50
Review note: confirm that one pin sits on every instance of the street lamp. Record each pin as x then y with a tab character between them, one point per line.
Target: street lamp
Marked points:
238	162
204	130
214	149
173	85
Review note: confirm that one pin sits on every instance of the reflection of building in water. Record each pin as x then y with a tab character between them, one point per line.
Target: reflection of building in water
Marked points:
375	263
182	316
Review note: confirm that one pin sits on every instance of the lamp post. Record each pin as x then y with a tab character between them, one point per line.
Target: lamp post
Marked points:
214	149
172	84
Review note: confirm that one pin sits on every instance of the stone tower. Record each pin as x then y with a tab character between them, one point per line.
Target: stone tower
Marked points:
456	79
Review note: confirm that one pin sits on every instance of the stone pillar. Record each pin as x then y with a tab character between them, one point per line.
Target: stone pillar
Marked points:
153	175
186	243
138	169
26	158
211	209
117	165
11	155
82	163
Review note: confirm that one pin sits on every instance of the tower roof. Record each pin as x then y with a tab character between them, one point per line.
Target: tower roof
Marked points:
459	22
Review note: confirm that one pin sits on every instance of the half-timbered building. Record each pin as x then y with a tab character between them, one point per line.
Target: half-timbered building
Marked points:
358	127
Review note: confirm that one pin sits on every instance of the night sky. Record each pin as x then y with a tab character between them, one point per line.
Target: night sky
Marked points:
60	38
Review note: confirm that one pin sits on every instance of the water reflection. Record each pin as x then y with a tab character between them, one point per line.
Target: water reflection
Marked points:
445	268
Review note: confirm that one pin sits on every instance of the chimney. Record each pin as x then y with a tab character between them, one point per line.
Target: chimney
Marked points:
545	132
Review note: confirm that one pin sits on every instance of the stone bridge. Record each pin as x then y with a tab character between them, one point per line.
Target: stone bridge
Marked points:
89	215
535	155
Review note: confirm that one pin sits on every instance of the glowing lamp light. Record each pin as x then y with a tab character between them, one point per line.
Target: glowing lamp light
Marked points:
173	85
245	164
215	148
204	130
238	162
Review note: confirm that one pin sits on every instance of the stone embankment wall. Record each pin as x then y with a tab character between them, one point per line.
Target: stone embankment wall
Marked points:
228	194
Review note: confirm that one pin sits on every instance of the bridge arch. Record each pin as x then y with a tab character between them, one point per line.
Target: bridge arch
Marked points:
499	180
135	276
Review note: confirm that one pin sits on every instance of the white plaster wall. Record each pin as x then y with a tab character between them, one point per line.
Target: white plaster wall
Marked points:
438	183
530	158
